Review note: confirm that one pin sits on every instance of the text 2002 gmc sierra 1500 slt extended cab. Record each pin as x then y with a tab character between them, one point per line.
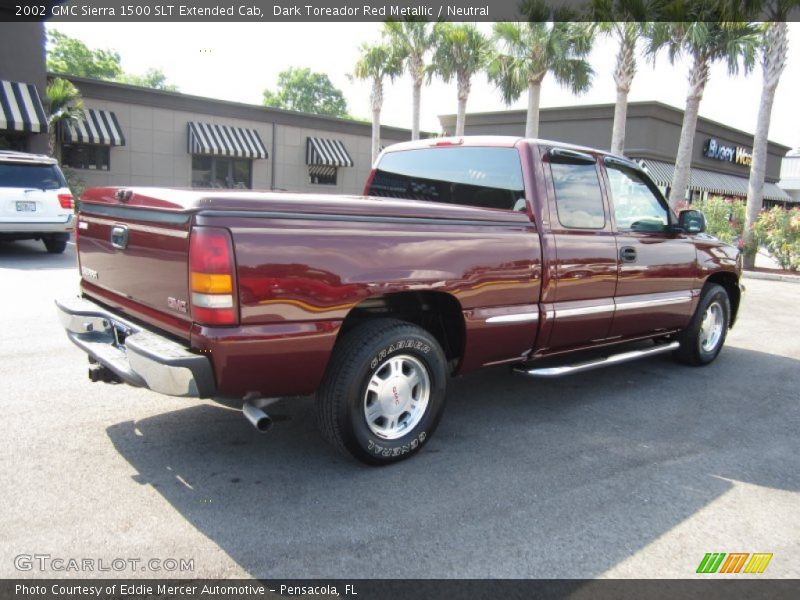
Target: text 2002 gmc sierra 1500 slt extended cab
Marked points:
463	253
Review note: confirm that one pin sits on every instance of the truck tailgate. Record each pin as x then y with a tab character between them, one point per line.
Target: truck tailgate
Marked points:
133	254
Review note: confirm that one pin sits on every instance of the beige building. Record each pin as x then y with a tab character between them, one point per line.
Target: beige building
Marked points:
139	136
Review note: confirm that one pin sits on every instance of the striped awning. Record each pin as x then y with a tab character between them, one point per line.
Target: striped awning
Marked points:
716	183
20	108
222	140
97	127
332	153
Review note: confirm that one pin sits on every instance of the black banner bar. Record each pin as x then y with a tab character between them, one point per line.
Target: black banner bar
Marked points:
382	10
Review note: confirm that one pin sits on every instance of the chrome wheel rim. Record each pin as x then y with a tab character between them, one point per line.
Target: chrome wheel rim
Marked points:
396	397
711	327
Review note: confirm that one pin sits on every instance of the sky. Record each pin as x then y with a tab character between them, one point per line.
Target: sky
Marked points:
237	61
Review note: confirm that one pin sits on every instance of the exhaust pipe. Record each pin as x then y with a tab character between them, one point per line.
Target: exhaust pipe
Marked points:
257	417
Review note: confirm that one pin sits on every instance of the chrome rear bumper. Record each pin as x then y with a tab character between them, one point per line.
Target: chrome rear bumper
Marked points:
137	356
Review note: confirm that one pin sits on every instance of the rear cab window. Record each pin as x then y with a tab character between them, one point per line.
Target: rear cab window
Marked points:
487	177
31	176
576	187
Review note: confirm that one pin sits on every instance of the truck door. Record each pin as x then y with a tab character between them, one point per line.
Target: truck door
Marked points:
579	301
657	267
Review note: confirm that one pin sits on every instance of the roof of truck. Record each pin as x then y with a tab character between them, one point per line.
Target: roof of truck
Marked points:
500	141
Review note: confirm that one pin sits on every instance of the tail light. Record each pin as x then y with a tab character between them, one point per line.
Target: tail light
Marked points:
65	200
212	277
370	179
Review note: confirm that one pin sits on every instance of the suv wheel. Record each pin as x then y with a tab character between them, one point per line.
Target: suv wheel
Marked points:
702	340
383	392
55	245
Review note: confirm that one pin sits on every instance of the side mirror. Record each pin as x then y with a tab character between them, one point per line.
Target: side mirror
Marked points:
692	221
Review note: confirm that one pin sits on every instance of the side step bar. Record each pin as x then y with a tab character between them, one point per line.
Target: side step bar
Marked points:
606	361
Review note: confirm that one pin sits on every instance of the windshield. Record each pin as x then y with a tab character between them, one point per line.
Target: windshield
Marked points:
37	177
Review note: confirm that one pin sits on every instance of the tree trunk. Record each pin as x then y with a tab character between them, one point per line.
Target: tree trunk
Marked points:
532	119
415	108
623	77
620	116
377	104
775	50
463	94
683	160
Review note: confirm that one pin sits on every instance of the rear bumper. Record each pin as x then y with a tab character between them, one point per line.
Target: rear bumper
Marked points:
64	225
136	355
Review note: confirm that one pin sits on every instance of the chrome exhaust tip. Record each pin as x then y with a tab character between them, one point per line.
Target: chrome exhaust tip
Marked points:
257	417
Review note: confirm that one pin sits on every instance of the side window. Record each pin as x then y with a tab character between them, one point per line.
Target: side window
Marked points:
636	206
578	198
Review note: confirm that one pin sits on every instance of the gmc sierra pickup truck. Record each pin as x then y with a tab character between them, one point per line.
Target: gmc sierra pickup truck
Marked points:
462	253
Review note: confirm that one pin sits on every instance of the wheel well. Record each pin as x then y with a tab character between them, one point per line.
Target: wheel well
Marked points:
438	313
731	284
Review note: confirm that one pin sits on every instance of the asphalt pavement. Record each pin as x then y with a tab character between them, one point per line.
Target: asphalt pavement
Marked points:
637	470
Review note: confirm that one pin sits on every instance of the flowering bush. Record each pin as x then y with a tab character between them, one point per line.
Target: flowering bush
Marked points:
724	218
779	230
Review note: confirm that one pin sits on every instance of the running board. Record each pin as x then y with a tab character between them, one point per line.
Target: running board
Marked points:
606	361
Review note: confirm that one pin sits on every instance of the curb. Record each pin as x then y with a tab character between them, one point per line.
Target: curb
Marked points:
770	276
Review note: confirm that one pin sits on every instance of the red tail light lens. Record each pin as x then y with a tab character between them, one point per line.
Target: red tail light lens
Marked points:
370	179
65	200
212	277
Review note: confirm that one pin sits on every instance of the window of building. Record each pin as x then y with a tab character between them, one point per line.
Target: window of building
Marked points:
473	176
221	172
323	177
11	141
637	206
86	156
579	201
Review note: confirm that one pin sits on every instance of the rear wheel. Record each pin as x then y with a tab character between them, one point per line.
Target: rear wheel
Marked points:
55	245
383	392
702	340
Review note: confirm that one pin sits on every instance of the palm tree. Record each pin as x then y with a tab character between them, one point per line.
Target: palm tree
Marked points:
529	51
461	52
774	48
411	40
375	63
626	22
706	40
65	106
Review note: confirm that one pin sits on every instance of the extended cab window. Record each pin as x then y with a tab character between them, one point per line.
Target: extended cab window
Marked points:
474	176
578	199
637	207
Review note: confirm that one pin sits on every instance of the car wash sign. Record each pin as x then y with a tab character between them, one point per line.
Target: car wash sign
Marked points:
735	154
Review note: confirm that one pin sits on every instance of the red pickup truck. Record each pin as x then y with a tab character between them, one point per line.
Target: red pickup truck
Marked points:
462	253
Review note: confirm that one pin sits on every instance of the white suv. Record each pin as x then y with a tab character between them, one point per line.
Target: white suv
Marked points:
35	202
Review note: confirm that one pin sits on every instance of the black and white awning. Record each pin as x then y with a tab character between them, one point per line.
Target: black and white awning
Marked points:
20	108
222	140
709	181
331	153
99	127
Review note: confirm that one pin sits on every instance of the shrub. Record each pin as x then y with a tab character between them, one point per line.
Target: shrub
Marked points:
724	218
779	230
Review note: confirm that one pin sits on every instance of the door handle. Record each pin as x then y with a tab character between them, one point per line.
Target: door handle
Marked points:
627	254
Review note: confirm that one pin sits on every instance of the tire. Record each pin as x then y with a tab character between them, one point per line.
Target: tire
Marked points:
55	245
383	393
703	339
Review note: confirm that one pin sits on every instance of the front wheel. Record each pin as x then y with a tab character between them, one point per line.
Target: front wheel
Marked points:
383	392
702	340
